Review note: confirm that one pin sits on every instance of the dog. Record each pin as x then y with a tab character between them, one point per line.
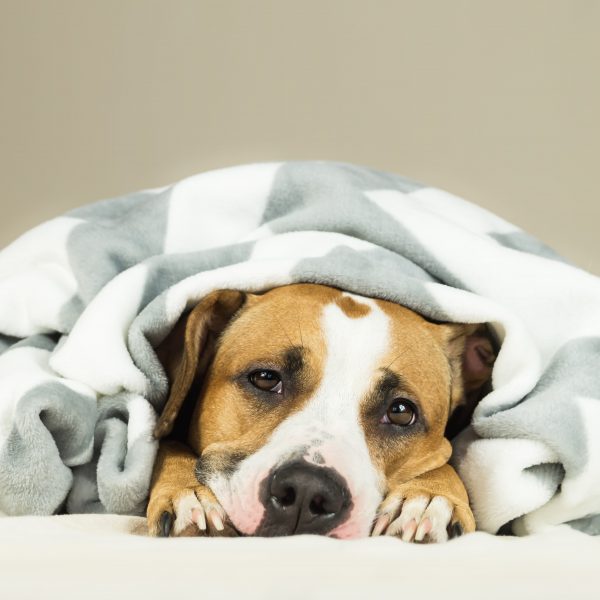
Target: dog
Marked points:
307	409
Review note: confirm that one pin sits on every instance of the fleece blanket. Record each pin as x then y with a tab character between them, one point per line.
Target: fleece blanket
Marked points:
85	297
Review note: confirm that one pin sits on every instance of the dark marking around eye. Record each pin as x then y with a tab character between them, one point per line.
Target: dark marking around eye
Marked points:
293	360
266	380
388	383
280	376
391	386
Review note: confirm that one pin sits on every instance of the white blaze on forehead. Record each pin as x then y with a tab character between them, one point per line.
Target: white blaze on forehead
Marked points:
355	347
327	431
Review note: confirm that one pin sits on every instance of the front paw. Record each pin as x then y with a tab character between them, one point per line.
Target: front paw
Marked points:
187	512
422	518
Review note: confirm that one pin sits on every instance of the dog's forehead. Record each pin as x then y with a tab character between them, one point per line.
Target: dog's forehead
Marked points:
353	343
291	316
301	315
305	300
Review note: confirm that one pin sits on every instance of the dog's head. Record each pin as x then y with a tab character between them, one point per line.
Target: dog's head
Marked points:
306	401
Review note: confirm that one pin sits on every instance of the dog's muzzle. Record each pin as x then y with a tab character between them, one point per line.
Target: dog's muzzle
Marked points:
300	497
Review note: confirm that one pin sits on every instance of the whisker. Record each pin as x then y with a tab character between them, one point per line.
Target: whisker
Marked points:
395	359
283	329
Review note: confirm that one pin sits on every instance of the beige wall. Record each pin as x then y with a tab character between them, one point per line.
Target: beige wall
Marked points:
496	101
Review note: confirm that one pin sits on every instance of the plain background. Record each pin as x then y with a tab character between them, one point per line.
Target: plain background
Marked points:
496	101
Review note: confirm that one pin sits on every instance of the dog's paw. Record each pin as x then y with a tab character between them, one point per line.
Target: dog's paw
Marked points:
422	518
188	512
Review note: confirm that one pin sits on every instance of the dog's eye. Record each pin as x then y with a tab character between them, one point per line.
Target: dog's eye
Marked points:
266	380
400	412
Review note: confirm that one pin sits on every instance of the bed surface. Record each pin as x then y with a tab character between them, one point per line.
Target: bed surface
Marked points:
104	556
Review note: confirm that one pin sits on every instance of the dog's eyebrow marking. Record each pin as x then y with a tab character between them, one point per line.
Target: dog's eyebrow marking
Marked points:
351	308
293	359
390	381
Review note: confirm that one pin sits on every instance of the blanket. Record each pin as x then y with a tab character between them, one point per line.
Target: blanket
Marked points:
86	297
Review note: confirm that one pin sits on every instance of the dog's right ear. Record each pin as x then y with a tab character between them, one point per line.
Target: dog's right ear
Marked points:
187	351
471	350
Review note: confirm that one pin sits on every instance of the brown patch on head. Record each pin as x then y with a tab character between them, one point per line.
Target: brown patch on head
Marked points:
351	308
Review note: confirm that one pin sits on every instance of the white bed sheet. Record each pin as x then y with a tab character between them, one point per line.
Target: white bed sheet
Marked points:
111	557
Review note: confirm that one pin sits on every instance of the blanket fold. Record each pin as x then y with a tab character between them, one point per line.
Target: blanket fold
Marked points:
86	297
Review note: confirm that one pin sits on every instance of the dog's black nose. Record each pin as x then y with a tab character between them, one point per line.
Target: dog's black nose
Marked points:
303	498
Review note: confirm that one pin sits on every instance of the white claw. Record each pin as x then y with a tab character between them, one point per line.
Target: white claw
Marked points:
423	529
199	518
215	517
380	524
439	512
185	507
408	531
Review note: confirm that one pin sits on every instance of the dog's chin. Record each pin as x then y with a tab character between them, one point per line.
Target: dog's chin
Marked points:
351	528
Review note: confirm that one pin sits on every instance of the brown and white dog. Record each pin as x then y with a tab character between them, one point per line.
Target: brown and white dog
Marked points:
312	410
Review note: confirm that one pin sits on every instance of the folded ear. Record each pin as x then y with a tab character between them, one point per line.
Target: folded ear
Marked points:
471	351
188	349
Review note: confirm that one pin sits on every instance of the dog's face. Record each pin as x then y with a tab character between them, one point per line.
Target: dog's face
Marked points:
312	401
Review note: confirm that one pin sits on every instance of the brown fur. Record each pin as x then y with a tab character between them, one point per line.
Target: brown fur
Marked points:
351	308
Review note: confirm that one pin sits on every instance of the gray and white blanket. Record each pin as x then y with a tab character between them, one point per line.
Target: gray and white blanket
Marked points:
85	297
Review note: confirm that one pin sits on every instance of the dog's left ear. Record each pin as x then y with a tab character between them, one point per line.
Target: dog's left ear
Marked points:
187	351
471	351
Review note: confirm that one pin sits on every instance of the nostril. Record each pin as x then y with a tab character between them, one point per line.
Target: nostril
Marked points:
287	498
317	505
